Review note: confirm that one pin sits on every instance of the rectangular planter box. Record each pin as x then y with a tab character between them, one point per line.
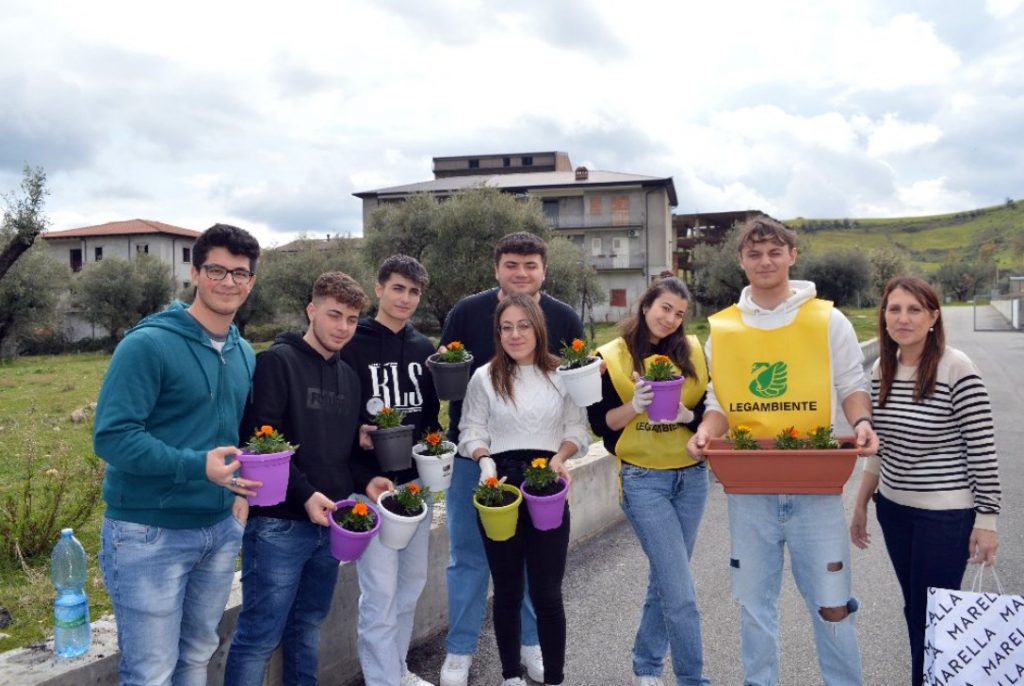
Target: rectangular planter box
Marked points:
769	470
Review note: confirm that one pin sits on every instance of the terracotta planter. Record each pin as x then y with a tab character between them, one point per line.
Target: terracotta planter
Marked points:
500	522
769	470
546	511
270	468
583	384
435	470
450	378
396	531
667	395
393	447
348	546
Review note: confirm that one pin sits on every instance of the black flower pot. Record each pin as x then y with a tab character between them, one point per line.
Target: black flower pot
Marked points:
393	447
450	378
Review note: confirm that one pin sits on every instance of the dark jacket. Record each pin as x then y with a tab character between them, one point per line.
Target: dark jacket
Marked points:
392	371
471	322
168	398
314	403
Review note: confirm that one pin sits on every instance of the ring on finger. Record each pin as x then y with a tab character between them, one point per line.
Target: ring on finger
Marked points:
234	481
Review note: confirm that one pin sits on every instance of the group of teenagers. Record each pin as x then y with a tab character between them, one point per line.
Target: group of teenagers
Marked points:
183	389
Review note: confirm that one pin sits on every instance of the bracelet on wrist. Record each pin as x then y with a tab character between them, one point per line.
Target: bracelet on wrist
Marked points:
861	420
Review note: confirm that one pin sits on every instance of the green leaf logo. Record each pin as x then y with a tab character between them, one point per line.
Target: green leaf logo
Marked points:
769	379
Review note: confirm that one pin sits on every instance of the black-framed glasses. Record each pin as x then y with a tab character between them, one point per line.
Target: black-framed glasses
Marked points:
216	272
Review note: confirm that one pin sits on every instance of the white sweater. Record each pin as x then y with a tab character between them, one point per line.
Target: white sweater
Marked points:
542	417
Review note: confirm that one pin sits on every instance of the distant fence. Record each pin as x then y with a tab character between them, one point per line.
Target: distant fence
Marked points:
1000	313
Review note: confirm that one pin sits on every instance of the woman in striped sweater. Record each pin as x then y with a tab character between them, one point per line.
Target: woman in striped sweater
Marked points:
936	472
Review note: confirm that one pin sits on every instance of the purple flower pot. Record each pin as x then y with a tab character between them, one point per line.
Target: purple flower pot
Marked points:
667	395
546	511
272	469
347	546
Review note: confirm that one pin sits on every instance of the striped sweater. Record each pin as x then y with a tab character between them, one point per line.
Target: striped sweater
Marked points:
940	453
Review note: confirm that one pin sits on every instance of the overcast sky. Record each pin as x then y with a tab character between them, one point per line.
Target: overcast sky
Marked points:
270	115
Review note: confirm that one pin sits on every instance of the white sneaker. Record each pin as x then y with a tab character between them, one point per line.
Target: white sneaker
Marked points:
455	670
647	680
530	658
514	681
413	679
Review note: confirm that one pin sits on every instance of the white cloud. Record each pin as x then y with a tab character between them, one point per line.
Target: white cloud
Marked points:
1001	9
892	135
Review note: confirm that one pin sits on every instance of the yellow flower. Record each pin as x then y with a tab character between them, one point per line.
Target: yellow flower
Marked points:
743	428
577	345
539	463
360	509
814	429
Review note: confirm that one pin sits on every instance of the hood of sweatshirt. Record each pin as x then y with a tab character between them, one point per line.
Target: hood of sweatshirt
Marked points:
761	318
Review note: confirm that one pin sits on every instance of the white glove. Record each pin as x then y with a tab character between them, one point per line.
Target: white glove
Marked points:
487	468
643	395
683	416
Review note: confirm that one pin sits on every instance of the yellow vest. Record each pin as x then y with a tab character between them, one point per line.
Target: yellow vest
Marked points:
773	379
657	446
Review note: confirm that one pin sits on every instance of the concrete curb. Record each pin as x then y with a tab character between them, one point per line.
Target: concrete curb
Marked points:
594	503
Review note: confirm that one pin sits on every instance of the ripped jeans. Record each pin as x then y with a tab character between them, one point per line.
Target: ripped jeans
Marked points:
813	527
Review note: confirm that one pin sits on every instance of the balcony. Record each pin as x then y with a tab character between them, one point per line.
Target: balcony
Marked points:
591	221
613	261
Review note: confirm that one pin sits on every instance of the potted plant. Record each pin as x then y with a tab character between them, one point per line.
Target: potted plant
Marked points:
664	378
401	512
392	441
435	458
451	370
353	524
498	505
545	493
818	463
266	458
580	373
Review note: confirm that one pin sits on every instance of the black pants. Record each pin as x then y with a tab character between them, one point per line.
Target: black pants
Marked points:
927	548
540	556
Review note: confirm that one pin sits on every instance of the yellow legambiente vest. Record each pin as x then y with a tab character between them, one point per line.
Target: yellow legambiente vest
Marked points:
771	380
657	446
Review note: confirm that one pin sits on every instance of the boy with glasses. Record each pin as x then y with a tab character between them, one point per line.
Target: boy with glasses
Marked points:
167	426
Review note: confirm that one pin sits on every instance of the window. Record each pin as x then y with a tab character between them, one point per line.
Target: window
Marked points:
620	209
186	255
97	254
595	246
142	248
506	161
474	164
551	211
528	160
76	259
596	206
617	297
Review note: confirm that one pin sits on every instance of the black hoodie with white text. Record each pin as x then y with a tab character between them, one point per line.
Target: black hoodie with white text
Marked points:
392	370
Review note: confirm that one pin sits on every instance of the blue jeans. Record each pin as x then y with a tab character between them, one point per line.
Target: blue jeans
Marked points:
468	572
927	548
288	580
168	588
665	507
390	583
813	527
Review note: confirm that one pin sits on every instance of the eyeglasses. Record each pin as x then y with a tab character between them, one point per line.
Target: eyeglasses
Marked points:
520	327
240	276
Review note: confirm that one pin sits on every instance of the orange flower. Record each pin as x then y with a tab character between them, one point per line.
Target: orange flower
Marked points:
433	439
386	410
791	432
414	489
265	430
577	345
661	358
454	345
360	509
539	463
492	481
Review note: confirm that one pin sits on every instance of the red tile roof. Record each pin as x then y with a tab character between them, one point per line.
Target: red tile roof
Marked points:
122	228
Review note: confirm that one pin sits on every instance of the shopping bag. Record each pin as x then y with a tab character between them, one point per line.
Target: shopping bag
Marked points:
974	638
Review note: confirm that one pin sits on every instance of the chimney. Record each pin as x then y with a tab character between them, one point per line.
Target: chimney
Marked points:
582	174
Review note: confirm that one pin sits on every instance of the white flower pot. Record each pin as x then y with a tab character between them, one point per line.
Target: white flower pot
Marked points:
395	530
435	470
583	384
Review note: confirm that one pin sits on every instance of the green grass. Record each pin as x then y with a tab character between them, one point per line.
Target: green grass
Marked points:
928	240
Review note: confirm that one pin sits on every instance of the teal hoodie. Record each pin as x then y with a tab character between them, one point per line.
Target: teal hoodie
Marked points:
167	398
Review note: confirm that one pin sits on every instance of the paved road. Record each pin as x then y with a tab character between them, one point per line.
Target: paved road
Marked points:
605	584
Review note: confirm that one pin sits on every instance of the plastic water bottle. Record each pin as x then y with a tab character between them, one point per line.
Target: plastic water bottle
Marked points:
68	570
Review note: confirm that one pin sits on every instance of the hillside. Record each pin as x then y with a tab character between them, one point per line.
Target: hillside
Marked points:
928	240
